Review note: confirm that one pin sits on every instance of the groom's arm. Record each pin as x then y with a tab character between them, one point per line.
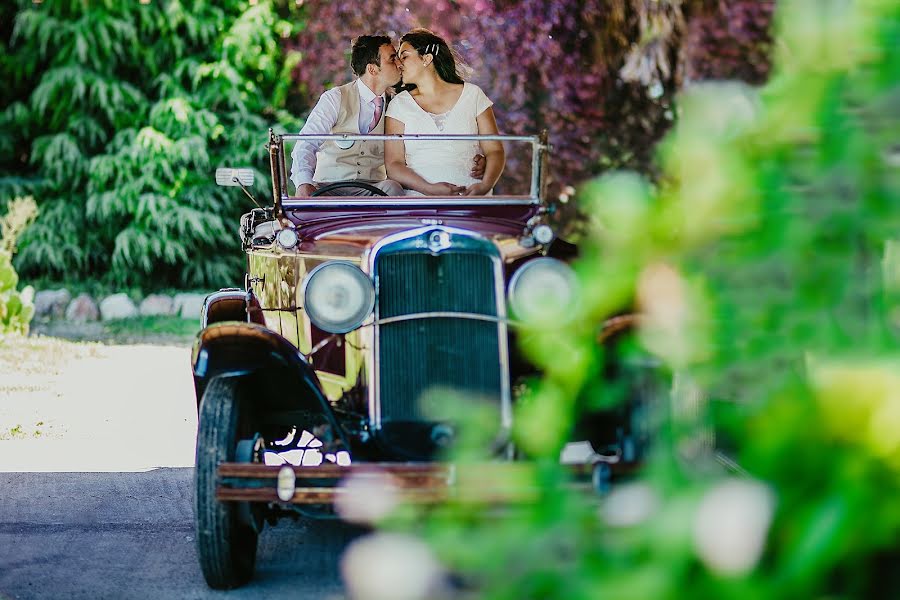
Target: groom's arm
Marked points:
321	121
477	171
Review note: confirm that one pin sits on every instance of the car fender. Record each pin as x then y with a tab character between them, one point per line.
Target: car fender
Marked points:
230	304
234	348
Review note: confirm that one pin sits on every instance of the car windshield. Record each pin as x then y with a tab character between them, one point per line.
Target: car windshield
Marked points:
519	183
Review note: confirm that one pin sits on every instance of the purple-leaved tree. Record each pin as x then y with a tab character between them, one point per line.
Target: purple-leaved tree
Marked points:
599	75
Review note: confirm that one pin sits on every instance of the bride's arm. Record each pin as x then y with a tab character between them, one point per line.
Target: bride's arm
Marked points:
494	155
395	165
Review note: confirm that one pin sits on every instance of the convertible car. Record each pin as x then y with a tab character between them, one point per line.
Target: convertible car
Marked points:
359	316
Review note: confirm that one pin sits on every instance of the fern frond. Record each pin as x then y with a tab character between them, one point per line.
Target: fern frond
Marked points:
152	207
12	186
88	130
60	158
62	86
152	140
53	243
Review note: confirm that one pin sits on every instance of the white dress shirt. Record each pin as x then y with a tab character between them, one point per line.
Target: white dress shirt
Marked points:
321	120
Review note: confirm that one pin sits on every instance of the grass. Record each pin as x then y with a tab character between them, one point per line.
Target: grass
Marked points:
144	328
99	289
168	330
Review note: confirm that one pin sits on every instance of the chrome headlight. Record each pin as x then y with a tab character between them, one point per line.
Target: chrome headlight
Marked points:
337	296
544	287
287	238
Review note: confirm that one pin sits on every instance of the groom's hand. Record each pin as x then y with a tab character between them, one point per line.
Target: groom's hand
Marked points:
305	190
478	166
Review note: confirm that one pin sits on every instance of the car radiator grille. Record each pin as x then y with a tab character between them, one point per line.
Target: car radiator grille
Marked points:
436	352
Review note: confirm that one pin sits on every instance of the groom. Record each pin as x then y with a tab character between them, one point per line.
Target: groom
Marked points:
356	107
353	108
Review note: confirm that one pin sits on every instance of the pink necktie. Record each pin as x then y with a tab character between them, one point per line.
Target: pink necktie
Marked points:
379	104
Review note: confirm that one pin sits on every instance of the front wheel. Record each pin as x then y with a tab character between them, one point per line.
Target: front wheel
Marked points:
226	547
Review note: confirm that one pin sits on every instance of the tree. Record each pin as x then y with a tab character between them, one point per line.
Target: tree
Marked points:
599	75
121	113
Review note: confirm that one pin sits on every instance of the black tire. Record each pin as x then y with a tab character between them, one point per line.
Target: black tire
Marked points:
225	546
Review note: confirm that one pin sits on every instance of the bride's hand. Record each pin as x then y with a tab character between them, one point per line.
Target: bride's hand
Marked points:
442	188
477	189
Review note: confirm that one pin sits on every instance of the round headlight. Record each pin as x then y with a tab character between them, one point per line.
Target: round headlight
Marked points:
543	234
287	238
338	296
544	287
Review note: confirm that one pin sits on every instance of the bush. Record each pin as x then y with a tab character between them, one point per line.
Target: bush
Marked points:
16	307
120	114
765	263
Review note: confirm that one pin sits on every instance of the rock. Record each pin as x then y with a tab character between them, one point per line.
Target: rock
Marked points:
117	306
82	309
188	306
157	304
51	304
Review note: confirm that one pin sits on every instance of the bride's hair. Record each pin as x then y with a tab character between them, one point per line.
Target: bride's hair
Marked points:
447	63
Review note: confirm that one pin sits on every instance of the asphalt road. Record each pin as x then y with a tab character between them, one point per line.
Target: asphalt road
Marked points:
131	535
100	504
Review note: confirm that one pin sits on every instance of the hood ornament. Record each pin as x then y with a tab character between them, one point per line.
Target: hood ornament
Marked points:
438	240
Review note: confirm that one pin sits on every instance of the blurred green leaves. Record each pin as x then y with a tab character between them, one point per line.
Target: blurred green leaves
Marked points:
764	264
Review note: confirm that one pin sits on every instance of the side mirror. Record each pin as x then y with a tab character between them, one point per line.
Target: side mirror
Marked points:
234	177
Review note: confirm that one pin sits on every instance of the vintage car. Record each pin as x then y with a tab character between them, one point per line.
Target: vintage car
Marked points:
353	310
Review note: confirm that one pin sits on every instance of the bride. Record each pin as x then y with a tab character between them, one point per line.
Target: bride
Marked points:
439	102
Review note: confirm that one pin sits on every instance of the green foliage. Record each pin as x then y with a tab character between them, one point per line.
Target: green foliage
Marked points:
765	264
123	113
16	307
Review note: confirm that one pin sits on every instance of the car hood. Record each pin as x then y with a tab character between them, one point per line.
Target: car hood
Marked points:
353	233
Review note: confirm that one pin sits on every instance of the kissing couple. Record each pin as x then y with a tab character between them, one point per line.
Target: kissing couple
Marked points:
434	99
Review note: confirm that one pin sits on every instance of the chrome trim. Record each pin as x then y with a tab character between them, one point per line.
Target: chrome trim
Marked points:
275	148
539	148
438	315
419	239
292	203
215	297
730	463
506	417
534	139
415	316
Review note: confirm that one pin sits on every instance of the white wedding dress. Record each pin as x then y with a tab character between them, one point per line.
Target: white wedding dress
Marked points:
441	160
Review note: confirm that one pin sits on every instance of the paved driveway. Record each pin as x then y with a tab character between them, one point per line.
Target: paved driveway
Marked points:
96	484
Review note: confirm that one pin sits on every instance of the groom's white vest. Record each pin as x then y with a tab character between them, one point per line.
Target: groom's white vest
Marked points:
364	159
